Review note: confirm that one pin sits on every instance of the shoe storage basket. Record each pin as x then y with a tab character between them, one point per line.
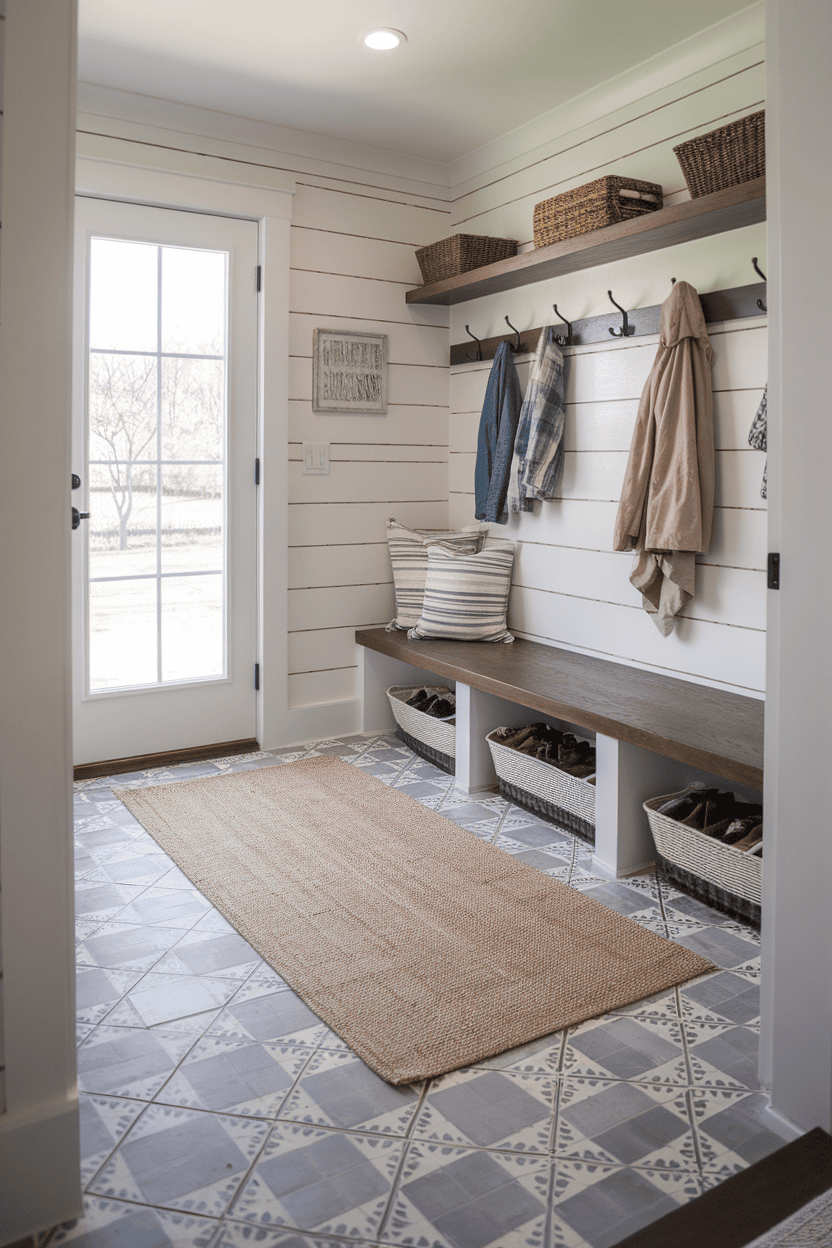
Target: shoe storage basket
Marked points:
603	202
544	789
433	739
726	878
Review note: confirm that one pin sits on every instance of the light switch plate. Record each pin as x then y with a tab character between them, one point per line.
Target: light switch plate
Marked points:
315	459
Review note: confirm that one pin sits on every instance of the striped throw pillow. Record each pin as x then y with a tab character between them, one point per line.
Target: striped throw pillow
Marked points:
466	595
409	557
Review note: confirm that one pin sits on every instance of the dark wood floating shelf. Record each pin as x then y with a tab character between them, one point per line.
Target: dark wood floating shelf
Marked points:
731	209
712	729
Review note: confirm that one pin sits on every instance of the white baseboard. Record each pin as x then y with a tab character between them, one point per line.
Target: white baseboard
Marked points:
609	873
325	719
781	1125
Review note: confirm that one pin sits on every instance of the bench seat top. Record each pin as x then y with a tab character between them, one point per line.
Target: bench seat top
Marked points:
711	729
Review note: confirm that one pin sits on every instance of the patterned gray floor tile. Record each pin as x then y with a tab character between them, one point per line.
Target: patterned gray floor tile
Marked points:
542	1057
542	859
732	1128
644	1049
466	1198
605	1204
337	1090
725	997
166	907
104	901
243	1235
128	1062
209	953
645	1125
159	998
126	946
235	1076
104	1121
325	1181
723	947
265	1009
182	1159
110	1222
98	990
624	900
489	1109
723	1056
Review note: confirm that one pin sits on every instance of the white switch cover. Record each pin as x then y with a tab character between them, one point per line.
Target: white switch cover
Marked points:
315	459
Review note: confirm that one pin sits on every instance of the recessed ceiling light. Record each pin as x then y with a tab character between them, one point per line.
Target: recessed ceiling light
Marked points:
383	39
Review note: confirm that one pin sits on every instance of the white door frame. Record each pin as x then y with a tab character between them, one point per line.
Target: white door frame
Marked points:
271	208
39	1163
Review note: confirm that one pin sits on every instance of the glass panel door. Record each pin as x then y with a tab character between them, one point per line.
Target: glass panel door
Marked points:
157	407
165	431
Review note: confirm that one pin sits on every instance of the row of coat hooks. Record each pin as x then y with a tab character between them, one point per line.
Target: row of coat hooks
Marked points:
720	305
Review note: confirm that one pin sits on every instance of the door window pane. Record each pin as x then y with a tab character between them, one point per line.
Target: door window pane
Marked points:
123	408
123	295
192	519
193	301
123	520
192	627
193	408
122	634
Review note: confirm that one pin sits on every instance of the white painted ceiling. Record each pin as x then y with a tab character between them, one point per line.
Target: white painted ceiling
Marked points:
472	70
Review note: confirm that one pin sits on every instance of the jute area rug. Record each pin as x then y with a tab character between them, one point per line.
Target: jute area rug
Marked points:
422	947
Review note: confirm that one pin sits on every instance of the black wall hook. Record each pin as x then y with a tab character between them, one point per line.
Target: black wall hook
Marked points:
559	338
626	329
757	269
478	356
517	346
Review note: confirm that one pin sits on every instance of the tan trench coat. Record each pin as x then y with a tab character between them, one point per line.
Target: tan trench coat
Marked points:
667	501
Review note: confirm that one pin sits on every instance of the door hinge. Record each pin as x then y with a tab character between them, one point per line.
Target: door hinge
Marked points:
256	675
259	276
774	570
257	472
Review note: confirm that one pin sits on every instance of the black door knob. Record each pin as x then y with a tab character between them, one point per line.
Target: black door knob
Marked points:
76	481
78	516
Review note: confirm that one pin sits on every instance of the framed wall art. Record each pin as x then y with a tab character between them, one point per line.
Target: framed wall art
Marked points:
349	372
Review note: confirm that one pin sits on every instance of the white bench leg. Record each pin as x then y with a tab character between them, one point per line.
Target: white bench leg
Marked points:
477	714
626	776
376	673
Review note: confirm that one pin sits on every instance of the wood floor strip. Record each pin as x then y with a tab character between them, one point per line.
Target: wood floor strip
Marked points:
167	758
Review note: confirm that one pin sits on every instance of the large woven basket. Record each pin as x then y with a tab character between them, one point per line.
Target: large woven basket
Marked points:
544	789
726	878
603	202
460	253
433	739
725	157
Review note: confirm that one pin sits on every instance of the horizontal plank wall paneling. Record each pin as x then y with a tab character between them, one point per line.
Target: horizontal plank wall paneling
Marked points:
569	587
353	258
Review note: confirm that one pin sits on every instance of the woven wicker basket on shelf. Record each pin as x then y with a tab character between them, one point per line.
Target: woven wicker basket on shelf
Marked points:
460	253
725	157
544	789
726	878
603	202
433	739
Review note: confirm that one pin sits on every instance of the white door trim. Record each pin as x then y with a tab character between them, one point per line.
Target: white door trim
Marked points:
271	208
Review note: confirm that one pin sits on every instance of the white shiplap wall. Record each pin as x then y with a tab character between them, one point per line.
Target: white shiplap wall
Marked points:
352	259
569	587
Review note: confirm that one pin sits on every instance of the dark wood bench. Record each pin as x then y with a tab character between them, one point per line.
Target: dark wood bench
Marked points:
652	729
